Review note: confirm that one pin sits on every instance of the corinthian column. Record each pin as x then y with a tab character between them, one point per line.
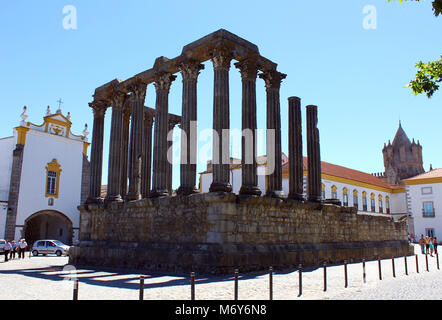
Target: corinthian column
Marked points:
249	71
146	172
160	162
125	147
296	167
313	154
221	122
99	109
114	175
273	80
189	71
137	139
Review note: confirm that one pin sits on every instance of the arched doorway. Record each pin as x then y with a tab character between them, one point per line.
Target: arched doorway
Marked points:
48	224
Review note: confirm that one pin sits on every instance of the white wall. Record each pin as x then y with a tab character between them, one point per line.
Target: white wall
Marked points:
3	211
40	149
397	200
416	205
6	149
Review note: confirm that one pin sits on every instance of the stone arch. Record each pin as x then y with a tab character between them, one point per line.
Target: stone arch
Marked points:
48	224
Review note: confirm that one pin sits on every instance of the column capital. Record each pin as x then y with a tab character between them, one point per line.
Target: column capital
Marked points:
138	89
190	69
272	78
221	58
248	68
99	107
163	81
117	100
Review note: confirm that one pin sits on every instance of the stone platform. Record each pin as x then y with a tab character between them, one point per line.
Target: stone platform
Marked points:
219	232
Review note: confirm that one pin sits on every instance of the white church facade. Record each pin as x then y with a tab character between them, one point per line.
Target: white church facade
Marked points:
43	178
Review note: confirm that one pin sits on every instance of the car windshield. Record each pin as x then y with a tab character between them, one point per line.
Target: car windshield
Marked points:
58	243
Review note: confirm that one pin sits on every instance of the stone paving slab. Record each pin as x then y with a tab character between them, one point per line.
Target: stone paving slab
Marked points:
42	278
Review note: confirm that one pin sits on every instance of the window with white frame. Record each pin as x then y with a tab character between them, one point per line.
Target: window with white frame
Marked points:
426	190
428	209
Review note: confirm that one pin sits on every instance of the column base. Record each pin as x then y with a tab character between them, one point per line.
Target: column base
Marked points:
275	194
220	186
132	196
317	199
92	200
296	196
186	190
159	193
113	198
250	190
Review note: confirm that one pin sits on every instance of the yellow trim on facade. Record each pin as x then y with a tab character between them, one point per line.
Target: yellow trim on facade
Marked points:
85	146
424	181
55	167
21	135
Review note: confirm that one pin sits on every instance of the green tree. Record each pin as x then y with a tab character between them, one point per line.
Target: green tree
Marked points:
428	74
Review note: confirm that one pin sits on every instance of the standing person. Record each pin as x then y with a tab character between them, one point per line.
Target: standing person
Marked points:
7	247
22	245
14	247
422	243
427	244
435	244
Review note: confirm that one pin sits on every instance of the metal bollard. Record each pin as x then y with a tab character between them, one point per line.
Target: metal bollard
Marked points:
426	261
236	284
417	265
392	266
325	276
406	266
300	280
271	283
437	260
380	270
192	286
75	289
364	278
345	274
141	287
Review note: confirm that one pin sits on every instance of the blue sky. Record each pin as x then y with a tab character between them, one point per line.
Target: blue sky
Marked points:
355	76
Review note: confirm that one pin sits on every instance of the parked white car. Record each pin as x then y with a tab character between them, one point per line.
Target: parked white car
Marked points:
46	247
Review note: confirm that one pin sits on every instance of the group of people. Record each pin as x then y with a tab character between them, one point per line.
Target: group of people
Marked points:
10	248
428	245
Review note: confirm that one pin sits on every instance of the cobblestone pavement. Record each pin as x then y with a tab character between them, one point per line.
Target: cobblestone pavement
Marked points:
48	278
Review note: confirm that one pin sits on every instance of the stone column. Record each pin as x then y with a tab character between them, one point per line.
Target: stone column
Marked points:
221	122
160	163
96	164
296	166
146	171
313	154
137	139
249	72
172	125
114	173
189	71
273	80
125	147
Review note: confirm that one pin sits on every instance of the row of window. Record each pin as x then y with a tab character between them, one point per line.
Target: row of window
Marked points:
334	195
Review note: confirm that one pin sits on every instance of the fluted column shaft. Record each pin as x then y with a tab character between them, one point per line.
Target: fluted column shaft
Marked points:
160	162
313	154
99	109
137	140
125	148
146	173
296	167
189	71
221	122
249	71
273	142
170	157
114	173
